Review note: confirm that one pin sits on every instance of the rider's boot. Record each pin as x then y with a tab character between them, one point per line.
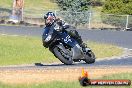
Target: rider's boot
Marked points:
82	44
76	35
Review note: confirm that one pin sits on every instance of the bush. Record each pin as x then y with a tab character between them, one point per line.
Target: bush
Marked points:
118	7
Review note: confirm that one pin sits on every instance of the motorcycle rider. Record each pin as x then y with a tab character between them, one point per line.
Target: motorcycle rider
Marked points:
52	22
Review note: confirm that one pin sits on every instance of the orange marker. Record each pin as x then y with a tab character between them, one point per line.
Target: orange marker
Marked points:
84	73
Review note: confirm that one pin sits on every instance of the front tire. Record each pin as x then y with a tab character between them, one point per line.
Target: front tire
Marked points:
58	53
90	57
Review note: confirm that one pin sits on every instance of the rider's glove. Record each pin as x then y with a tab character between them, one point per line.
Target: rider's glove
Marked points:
45	17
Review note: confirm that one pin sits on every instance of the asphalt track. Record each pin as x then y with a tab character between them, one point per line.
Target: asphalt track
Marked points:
120	38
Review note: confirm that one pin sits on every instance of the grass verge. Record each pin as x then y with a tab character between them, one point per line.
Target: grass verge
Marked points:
27	50
102	50
76	84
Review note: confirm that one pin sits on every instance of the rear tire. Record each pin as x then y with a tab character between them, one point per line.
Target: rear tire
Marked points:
59	55
90	58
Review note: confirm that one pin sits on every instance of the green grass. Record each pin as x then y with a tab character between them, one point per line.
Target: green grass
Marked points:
23	50
31	4
32	7
6	3
27	50
102	50
48	85
119	76
76	84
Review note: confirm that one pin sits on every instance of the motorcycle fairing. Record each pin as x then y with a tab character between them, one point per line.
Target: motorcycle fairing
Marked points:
65	38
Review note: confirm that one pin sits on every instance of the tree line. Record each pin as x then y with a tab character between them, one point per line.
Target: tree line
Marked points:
109	6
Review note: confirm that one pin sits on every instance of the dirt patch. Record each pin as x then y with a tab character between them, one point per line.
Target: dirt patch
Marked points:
48	75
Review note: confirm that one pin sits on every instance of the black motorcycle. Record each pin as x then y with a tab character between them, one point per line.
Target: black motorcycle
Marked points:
65	47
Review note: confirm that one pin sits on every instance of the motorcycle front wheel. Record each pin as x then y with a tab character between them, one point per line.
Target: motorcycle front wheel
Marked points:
62	56
90	57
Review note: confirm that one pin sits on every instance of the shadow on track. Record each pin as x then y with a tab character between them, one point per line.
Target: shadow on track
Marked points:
101	63
112	62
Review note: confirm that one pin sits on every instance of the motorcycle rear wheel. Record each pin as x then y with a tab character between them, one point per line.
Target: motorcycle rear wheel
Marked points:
58	53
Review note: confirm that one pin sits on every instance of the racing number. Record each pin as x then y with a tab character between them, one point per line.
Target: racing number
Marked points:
67	39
